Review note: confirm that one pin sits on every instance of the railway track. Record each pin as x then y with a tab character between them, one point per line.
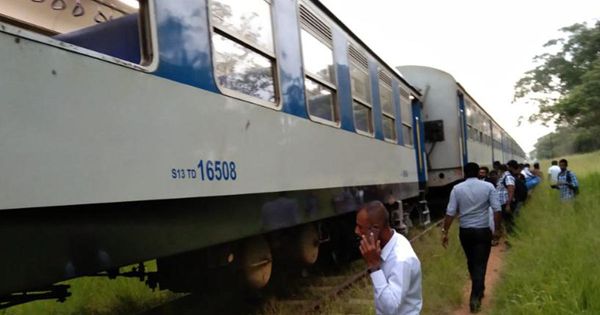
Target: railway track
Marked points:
316	305
293	295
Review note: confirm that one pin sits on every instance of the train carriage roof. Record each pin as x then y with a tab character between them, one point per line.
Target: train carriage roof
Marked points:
490	116
354	37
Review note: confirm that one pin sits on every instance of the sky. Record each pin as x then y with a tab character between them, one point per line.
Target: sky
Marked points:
486	45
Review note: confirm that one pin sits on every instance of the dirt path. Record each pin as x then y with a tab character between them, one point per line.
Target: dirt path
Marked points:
491	278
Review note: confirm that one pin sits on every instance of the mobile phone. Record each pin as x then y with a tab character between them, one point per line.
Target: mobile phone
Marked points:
374	231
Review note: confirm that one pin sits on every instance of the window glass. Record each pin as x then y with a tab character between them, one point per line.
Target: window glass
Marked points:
385	95
241	69
361	87
318	58
249	20
362	117
407	135
469	111
320	100
115	29
406	111
389	128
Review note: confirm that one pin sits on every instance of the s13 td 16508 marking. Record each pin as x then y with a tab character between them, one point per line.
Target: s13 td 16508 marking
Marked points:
207	170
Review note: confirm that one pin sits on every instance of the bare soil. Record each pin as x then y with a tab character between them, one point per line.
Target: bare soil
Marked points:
494	267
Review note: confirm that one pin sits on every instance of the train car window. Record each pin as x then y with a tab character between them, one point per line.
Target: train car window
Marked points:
469	110
118	28
317	53
387	106
406	116
361	90
362	117
244	57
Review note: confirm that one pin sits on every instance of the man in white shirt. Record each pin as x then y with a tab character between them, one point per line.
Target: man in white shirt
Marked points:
553	172
393	265
526	172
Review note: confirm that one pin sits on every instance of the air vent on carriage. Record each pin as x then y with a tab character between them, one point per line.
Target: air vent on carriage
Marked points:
385	77
404	93
358	56
311	22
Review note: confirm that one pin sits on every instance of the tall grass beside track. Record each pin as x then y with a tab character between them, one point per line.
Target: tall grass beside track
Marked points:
99	296
553	266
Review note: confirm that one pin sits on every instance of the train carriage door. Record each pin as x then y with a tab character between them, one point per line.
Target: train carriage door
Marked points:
419	141
462	120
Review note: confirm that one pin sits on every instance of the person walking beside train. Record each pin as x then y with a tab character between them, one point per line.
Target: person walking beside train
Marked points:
537	171
484	175
506	194
566	182
553	172
471	200
394	268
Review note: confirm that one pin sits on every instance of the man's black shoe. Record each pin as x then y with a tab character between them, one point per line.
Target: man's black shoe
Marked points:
475	306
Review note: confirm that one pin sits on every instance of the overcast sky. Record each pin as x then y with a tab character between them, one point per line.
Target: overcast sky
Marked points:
485	45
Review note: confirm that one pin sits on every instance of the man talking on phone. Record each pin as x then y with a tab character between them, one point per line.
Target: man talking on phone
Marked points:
394	268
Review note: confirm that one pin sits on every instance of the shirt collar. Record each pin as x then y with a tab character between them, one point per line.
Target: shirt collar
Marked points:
387	249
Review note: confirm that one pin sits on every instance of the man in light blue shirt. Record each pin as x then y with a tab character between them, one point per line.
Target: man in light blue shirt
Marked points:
471	200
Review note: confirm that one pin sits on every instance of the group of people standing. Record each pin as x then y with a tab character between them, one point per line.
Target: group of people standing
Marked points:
486	199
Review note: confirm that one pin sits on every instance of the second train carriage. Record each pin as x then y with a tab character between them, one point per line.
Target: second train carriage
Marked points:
458	130
129	134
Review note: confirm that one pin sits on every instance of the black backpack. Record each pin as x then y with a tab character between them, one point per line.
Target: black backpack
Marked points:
520	189
570	182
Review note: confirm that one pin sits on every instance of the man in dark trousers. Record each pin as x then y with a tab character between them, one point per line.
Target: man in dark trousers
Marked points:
471	200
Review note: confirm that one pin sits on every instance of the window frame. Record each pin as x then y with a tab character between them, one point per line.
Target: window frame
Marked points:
352	62
308	75
148	37
388	88
406	120
214	29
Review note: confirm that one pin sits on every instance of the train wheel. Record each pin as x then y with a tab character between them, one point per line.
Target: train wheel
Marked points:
308	244
256	262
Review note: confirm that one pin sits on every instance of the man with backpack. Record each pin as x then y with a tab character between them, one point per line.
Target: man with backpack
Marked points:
506	188
567	182
521	191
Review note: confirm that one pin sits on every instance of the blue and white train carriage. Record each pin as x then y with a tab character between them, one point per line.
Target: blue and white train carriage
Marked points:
458	130
197	132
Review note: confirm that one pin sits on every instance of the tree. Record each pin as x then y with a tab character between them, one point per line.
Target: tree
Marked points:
565	83
566	87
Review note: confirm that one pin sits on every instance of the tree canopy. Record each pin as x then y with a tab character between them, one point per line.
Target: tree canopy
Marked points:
566	86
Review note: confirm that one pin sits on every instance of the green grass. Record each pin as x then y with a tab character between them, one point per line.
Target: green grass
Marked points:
99	296
553	264
444	273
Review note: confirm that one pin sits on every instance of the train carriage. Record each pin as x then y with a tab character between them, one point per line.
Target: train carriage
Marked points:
458	130
178	128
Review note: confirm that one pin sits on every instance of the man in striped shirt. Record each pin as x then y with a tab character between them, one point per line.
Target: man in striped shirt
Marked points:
506	193
566	182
